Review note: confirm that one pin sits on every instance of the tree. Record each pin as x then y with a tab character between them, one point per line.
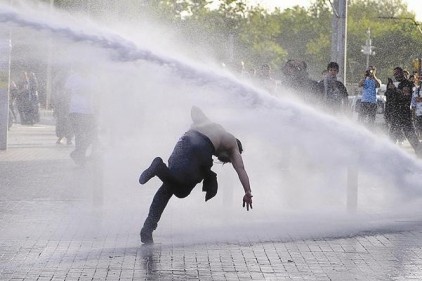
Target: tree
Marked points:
233	31
396	41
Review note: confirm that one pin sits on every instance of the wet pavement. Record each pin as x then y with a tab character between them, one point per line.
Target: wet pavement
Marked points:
45	200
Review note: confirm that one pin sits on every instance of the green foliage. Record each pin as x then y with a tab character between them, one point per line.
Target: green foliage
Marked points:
393	33
256	36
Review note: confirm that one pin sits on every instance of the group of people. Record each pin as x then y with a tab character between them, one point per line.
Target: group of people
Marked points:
403	108
73	107
328	93
24	97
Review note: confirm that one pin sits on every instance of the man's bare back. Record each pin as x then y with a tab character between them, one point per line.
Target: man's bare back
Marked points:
220	138
189	164
225	145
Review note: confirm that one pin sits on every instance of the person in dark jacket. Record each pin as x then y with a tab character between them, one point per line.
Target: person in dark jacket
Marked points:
389	105
334	93
296	80
390	94
23	102
401	115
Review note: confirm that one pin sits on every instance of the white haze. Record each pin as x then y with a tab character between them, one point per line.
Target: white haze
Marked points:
147	83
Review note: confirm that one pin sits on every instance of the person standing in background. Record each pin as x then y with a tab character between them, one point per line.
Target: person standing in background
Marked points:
81	114
368	106
402	113
265	80
416	105
334	93
61	106
22	99
296	79
13	93
34	101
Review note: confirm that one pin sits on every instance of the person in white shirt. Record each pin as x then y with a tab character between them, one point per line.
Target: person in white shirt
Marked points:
81	114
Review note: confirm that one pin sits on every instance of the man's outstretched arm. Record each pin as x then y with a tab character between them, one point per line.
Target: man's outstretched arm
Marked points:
239	167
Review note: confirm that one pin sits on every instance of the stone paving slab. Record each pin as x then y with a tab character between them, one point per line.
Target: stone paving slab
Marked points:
45	201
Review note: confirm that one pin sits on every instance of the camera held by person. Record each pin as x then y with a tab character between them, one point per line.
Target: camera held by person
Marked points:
369	73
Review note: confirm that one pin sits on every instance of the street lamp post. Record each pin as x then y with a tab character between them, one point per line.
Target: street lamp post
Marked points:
368	49
48	88
417	65
5	49
339	54
339	36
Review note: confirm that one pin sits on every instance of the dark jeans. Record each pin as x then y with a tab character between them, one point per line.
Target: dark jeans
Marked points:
367	113
409	132
169	188
418	125
84	128
159	203
189	164
64	127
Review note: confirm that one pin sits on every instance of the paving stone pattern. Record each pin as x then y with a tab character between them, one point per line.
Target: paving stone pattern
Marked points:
40	238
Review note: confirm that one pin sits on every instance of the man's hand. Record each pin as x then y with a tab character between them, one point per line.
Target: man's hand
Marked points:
247	200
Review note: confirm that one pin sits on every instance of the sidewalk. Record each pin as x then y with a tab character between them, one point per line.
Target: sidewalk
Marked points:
55	225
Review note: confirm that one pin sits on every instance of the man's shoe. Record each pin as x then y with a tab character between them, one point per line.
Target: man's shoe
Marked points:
210	185
146	236
77	158
151	171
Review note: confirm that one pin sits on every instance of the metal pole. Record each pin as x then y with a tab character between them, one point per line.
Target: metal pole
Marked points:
352	187
367	49
339	37
368	44
367	61
343	39
231	48
5	49
48	87
334	31
339	55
